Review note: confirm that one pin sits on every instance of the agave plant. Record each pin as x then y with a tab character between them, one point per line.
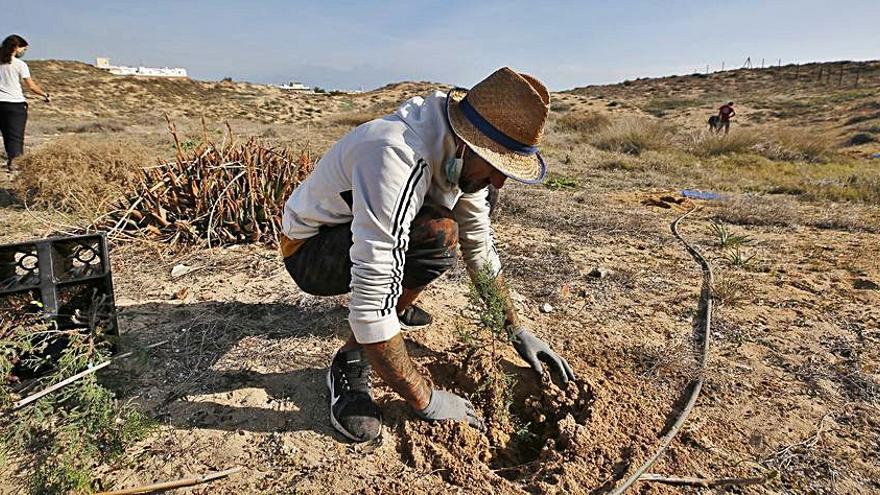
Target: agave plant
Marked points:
216	195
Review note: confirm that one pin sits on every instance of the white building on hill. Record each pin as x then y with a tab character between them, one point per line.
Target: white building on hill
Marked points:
293	86
121	70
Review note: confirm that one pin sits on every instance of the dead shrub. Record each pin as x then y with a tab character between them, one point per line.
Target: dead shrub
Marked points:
560	106
354	119
664	361
79	174
633	135
224	194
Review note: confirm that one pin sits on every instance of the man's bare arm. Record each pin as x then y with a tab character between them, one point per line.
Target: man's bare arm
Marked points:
393	364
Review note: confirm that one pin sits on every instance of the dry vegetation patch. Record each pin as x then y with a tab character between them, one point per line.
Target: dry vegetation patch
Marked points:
224	194
583	123
83	174
245	386
633	135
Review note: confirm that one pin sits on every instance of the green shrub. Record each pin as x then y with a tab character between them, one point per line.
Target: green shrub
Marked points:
57	441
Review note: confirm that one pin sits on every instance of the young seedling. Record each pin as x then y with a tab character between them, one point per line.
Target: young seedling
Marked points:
726	238
562	182
738	258
496	389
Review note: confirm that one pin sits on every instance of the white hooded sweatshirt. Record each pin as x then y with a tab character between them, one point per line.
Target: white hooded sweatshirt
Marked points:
390	167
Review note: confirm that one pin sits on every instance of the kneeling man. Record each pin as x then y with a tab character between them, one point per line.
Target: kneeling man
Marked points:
383	214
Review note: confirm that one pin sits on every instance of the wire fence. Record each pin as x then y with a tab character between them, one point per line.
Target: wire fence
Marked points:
843	73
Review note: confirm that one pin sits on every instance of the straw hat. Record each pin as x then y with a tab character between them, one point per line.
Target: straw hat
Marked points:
502	120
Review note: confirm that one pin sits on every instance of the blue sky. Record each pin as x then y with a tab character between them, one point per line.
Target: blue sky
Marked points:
338	44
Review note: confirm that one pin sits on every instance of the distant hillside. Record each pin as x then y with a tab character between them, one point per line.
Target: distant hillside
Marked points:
838	98
85	93
841	95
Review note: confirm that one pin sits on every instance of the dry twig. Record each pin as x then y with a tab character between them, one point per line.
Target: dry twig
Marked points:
170	485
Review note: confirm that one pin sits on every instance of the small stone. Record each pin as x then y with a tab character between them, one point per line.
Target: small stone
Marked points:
179	270
600	272
865	284
546	308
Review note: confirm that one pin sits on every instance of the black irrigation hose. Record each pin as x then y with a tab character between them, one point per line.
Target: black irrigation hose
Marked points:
705	319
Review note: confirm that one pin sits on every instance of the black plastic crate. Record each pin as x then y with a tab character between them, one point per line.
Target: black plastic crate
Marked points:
67	281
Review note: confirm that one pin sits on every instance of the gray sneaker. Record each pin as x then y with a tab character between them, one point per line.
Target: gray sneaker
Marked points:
353	412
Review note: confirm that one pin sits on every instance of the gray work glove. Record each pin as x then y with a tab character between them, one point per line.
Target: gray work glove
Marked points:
534	350
446	405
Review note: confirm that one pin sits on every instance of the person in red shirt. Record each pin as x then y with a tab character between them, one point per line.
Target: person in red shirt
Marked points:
725	112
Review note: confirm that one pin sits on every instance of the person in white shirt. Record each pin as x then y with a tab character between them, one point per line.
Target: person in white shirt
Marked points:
383	214
13	104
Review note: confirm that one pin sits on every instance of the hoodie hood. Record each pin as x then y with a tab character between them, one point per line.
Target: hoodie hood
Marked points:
427	119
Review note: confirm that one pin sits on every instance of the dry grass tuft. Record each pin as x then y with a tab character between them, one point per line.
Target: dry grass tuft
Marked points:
354	119
633	136
582	123
79	174
796	146
358	116
705	144
778	145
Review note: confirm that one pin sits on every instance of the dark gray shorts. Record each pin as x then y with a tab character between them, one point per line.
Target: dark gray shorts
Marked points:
322	264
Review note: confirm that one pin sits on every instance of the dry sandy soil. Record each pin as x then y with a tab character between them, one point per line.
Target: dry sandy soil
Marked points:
791	385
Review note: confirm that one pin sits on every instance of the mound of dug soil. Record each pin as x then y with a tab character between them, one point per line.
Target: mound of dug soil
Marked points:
540	438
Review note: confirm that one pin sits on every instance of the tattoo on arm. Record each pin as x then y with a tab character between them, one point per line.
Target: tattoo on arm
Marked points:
393	364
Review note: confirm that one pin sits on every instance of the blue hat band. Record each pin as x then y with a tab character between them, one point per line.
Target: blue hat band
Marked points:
493	132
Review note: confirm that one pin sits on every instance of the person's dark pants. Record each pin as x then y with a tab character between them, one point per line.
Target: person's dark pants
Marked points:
7	265
13	119
322	265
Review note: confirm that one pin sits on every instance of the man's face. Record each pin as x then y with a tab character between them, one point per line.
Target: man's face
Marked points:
476	173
